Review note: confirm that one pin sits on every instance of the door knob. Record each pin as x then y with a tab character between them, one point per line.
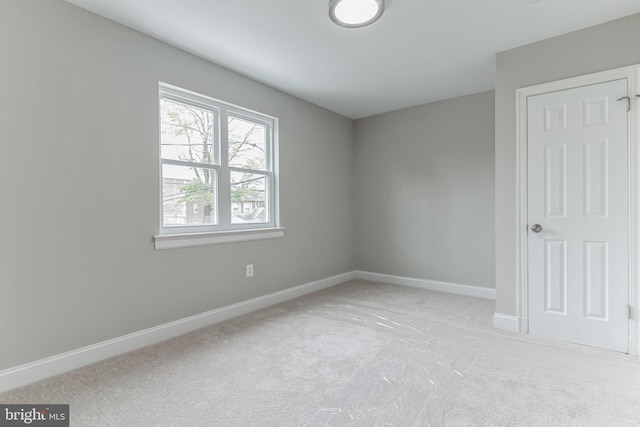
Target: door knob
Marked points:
536	228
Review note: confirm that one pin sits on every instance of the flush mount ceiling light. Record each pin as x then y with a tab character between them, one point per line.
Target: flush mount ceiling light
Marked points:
355	13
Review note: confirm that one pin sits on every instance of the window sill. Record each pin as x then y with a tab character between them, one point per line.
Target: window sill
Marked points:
175	241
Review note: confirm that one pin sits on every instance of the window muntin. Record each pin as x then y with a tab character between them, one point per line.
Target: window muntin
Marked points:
217	165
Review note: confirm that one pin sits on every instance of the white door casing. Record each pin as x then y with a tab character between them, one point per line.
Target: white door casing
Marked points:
578	196
520	322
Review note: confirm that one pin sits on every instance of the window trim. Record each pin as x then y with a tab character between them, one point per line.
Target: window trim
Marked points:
175	241
224	231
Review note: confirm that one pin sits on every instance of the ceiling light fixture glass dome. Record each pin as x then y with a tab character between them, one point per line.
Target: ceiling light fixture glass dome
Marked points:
355	13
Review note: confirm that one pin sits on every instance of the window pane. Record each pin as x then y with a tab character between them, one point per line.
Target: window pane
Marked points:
248	198
188	196
186	132
247	142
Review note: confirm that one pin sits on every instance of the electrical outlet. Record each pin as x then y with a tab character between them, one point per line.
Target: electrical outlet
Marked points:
249	270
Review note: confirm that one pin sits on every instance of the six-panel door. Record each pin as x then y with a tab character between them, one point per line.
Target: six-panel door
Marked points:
577	192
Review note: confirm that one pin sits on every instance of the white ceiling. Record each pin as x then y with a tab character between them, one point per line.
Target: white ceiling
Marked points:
420	51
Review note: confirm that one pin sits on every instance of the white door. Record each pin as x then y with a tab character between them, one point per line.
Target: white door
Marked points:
578	215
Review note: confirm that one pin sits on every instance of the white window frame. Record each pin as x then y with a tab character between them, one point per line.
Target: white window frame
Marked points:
223	231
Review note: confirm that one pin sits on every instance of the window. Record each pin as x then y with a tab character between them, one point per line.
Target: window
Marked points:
215	158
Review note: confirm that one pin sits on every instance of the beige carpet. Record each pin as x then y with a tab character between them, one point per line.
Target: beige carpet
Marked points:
359	354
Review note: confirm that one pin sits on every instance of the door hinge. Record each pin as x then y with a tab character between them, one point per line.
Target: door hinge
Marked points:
628	99
629	312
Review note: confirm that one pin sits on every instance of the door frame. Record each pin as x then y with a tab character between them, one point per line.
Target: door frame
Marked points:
632	74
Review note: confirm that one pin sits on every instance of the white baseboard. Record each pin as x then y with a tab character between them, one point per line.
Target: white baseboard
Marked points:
430	285
35	371
506	322
31	372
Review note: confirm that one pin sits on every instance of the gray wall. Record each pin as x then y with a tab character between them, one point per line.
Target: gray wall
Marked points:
599	48
424	200
80	191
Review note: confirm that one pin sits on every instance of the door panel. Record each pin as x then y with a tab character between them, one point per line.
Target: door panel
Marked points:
577	192
555	188
555	280
596	281
596	157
